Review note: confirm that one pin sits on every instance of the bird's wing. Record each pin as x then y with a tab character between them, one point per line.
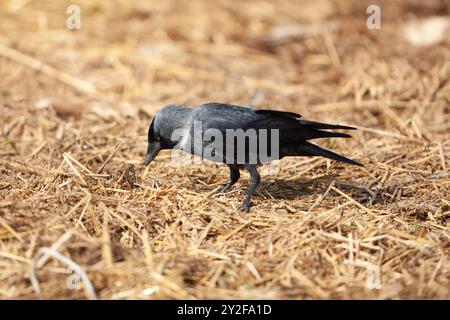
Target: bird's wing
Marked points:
219	115
224	116
293	130
276	113
291	127
320	125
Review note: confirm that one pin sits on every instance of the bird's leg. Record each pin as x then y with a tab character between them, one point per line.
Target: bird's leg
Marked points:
254	182
234	176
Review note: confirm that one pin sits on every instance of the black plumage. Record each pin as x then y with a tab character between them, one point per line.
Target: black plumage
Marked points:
293	134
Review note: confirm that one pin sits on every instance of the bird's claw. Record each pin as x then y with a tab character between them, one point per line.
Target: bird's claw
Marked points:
245	206
224	188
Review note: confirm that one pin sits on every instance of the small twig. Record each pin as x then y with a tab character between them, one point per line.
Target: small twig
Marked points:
68	161
37	150
322	196
353	201
78	163
72	265
17	56
441	155
10	229
387	133
108	159
55	246
329	43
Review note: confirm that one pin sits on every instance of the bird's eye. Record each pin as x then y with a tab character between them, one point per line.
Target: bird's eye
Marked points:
157	138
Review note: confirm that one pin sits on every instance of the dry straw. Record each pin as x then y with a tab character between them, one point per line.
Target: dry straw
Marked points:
75	107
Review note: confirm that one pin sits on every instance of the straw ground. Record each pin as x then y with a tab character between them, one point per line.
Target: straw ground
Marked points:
75	106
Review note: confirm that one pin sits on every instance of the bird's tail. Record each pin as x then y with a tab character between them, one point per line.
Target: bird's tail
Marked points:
320	125
314	150
315	134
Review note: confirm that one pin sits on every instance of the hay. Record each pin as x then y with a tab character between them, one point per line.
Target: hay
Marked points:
75	107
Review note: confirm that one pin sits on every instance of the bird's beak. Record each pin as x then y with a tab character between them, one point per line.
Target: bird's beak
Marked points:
152	151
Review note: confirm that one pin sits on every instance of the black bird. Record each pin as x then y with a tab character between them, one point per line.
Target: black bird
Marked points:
178	127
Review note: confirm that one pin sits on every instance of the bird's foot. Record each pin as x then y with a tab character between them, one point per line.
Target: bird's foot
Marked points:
224	188
245	206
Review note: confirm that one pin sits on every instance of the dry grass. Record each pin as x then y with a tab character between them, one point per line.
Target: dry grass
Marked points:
75	106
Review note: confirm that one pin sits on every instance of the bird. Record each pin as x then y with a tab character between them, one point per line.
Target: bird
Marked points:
233	127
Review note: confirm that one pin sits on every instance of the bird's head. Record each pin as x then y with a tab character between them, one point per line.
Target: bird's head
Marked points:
160	132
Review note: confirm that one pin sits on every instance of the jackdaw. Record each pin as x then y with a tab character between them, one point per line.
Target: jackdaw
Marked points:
240	137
